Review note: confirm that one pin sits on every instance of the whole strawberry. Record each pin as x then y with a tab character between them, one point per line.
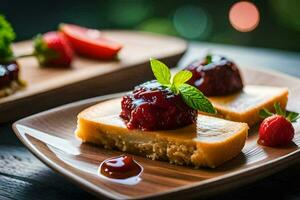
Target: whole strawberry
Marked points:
277	129
53	49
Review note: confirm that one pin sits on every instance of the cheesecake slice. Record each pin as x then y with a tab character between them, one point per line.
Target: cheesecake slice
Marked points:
245	105
210	142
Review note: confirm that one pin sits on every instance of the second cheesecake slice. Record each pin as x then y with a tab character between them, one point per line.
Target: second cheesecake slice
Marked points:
244	106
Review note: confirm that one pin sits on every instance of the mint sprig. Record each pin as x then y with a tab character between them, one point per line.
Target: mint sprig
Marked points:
7	36
161	72
289	115
181	77
208	59
195	99
191	95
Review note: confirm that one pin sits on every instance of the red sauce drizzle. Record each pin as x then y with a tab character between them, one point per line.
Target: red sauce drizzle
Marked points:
121	167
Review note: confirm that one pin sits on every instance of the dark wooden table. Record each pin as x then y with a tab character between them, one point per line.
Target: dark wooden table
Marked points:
22	176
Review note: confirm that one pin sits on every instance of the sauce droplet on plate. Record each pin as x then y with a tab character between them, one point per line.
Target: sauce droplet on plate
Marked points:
121	168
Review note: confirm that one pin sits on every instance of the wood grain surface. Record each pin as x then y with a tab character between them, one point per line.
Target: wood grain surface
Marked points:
50	137
49	87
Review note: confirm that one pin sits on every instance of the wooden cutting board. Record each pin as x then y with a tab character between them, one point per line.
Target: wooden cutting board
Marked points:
49	87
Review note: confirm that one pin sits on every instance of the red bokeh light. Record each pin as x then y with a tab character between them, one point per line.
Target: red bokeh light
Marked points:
244	16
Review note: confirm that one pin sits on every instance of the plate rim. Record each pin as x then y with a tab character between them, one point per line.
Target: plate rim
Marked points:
279	163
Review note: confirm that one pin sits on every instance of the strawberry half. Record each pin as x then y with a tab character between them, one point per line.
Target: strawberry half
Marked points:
53	49
90	42
277	129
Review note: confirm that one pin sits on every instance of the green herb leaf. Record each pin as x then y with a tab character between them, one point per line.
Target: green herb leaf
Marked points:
191	95
292	116
182	77
195	99
161	72
173	88
278	109
7	36
208	58
264	113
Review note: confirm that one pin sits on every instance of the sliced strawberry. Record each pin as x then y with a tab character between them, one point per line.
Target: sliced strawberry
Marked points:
90	42
53	49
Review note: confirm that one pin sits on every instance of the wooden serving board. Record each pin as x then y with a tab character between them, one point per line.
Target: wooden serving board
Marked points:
50	137
49	87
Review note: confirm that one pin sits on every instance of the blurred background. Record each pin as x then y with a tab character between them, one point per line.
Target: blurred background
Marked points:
275	23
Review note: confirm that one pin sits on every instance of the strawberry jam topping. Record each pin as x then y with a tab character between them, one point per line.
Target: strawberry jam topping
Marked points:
121	167
215	76
154	107
8	73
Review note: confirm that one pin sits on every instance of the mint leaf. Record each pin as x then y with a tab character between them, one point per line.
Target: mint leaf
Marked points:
161	72
190	95
195	99
173	88
292	116
208	59
264	113
278	109
182	77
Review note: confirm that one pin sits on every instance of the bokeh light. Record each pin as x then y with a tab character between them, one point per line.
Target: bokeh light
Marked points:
276	24
287	13
192	22
129	13
244	16
158	25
